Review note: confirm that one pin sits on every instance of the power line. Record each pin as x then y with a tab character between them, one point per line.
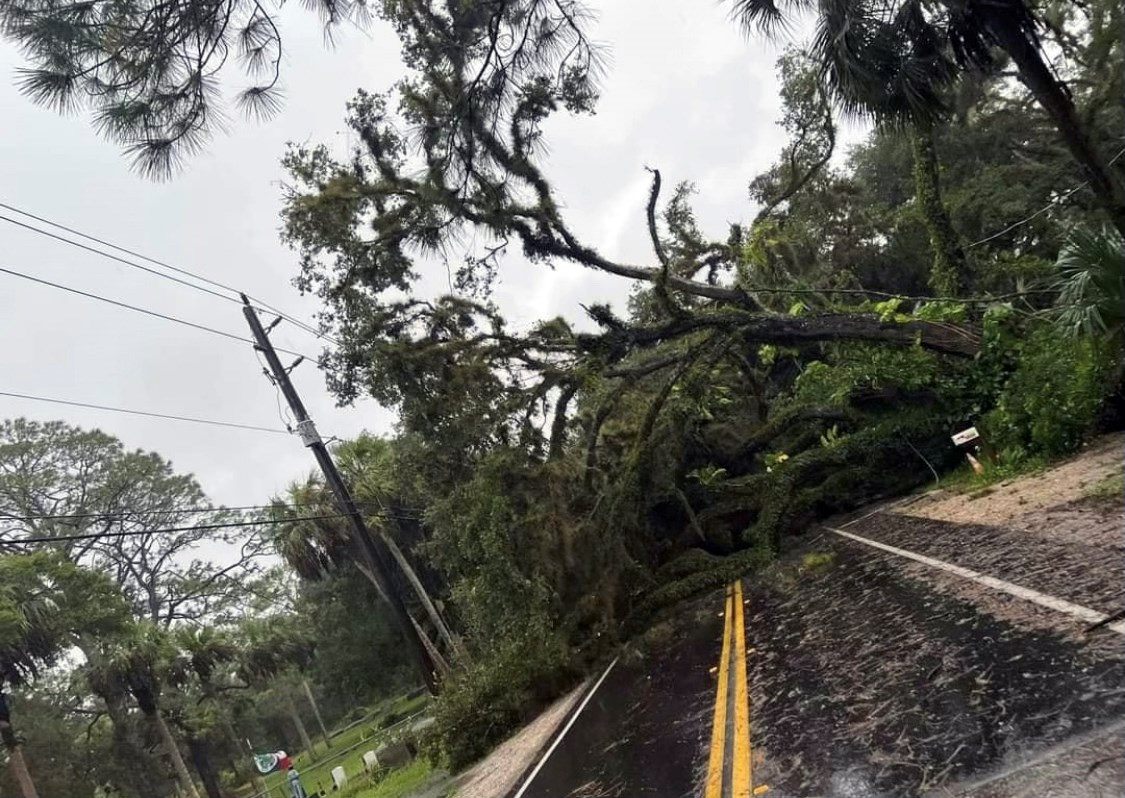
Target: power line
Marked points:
1042	210
169	416
125	533
116	258
147	312
125	515
292	319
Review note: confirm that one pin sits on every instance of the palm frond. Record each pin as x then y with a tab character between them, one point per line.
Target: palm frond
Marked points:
1091	284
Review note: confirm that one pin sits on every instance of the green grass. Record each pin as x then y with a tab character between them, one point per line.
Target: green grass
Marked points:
1110	487
398	783
965	480
360	738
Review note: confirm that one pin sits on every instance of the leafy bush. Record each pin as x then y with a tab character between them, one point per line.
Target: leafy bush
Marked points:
484	703
1049	404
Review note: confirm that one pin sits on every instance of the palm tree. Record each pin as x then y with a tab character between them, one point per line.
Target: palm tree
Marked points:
45	602
275	649
1091	287
916	49
888	62
313	548
205	651
29	641
135	664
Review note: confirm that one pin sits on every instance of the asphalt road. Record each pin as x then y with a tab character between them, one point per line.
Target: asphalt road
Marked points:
872	674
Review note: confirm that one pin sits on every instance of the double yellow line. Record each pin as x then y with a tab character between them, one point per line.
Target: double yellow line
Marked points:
729	760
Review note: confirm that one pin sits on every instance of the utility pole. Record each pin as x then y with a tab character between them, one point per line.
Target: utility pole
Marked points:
373	549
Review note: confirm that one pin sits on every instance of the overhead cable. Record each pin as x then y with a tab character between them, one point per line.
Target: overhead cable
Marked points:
164	265
1042	210
147	312
125	533
125	515
169	416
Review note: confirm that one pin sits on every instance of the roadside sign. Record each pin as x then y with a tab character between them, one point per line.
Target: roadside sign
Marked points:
966	436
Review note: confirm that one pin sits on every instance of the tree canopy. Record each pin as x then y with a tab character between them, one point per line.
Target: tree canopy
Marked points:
548	491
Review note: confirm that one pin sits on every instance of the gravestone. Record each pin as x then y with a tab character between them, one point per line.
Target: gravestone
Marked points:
339	778
393	755
370	762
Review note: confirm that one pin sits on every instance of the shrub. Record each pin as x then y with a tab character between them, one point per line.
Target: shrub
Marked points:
497	693
1049	404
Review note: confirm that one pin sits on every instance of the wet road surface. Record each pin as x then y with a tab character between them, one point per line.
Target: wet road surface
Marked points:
642	731
871	676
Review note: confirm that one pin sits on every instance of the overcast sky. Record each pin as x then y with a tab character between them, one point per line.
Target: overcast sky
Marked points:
685	92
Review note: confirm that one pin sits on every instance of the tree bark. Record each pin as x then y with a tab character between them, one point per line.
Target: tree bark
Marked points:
423	596
233	739
316	713
949	275
173	751
302	732
1059	105
15	752
948	339
201	758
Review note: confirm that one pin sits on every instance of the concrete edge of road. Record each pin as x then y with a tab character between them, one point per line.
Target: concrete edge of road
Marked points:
543	753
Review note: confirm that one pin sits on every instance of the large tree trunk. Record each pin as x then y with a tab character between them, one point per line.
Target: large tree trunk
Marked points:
438	621
233	739
1059	105
441	666
302	732
173	751
201	758
949	275
948	339
15	752
316	713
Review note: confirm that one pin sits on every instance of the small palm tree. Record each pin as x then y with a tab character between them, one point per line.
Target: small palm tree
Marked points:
893	63
275	650
135	664
204	652
1091	285
914	47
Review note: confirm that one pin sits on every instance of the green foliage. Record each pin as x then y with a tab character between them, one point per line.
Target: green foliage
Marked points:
1091	285
46	602
1110	487
359	653
498	692
1049	404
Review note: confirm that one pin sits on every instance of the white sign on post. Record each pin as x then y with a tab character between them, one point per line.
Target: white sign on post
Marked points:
966	436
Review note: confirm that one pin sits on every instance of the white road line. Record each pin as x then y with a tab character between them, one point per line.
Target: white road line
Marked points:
887	508
1027	594
562	734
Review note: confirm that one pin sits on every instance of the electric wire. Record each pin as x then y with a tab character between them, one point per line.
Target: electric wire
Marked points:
125	515
169	416
1044	209
148	312
264	305
125	533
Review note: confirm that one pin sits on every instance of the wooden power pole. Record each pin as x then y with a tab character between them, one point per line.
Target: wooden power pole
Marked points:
373	549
